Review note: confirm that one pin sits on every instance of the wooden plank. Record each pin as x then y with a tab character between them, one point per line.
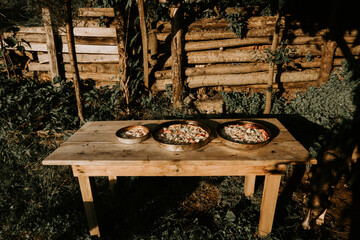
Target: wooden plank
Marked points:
87	197
84	40
96	12
84	58
81	40
118	154
91	68
249	185
95	76
268	203
175	169
50	44
78	31
288	150
95	49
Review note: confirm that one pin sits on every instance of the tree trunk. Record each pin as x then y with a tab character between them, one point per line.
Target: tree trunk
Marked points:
4	54
241	79
73	61
249	78
327	60
144	39
270	80
50	43
122	34
226	56
225	43
217	69
177	15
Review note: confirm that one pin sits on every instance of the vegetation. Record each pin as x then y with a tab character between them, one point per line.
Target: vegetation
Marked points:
39	202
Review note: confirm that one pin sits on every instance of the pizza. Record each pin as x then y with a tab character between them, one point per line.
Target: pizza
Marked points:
245	133
178	134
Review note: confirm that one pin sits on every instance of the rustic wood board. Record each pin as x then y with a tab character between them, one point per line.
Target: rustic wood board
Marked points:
96	144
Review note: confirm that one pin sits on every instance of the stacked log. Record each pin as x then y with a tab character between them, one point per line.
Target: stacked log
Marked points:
218	57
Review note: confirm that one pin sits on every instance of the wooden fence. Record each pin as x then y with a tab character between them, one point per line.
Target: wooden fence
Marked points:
96	47
217	57
213	55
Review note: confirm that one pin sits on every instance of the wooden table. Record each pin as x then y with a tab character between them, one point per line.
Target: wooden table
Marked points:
94	151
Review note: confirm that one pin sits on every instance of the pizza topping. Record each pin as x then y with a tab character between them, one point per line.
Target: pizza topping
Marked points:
182	134
245	133
133	133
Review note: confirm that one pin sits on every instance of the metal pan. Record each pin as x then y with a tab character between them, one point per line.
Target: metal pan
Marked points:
241	145
180	147
120	134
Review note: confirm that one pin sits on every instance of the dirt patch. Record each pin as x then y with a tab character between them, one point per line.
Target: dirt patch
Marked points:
338	216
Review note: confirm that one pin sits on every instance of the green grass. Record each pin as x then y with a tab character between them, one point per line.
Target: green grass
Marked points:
44	202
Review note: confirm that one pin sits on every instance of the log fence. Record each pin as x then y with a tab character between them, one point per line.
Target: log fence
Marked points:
217	57
211	55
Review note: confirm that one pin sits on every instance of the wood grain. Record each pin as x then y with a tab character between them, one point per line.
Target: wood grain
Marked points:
268	203
97	145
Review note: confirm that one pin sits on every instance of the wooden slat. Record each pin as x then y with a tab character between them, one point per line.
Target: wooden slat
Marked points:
84	40
95	49
96	76
174	169
88	67
96	12
84	58
78	31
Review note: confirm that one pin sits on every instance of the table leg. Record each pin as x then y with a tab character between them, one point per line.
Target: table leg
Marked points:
249	185
112	183
268	203
87	197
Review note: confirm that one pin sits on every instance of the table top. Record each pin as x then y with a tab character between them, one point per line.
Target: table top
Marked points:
95	143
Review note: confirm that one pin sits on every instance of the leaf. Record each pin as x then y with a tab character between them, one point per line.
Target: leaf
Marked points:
230	216
11	41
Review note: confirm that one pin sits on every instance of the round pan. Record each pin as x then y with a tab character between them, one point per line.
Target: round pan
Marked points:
185	146
240	145
132	140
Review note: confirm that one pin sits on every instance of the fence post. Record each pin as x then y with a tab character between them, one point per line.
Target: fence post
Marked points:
327	59
144	39
177	16
50	43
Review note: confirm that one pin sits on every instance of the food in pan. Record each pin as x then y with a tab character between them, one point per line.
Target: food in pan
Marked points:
245	133
182	134
134	133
